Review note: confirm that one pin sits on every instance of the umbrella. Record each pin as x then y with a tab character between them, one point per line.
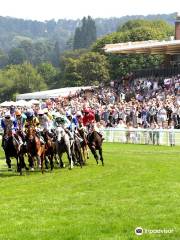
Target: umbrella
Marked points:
22	103
8	104
34	101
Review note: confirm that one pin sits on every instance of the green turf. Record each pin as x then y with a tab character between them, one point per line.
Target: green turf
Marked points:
138	186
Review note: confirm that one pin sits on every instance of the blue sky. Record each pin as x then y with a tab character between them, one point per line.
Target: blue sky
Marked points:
73	9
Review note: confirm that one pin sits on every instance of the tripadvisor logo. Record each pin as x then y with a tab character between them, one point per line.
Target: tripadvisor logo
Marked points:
139	231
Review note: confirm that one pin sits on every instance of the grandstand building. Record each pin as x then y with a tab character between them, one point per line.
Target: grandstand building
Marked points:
171	50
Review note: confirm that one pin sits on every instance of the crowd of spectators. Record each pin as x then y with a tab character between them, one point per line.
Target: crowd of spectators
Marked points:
137	103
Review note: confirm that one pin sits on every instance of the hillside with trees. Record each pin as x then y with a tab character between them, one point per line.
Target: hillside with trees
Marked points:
13	30
34	64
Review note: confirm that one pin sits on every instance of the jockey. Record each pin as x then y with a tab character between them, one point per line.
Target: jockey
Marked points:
12	111
73	126
44	124
88	118
79	118
49	115
44	121
61	120
89	122
73	122
21	119
31	120
8	124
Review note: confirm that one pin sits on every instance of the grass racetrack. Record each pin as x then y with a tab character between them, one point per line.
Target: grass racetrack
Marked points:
139	186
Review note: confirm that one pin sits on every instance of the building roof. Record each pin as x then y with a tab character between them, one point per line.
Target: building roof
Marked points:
171	47
63	92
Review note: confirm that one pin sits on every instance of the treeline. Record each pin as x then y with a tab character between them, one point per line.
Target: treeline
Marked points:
12	30
33	66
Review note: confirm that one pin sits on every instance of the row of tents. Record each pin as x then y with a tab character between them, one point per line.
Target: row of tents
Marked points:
29	99
20	103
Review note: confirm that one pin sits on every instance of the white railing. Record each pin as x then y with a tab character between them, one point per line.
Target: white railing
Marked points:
142	136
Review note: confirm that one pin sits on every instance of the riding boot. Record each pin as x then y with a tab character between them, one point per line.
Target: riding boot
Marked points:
42	140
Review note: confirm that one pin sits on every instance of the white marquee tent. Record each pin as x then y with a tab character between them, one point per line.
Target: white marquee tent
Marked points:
63	92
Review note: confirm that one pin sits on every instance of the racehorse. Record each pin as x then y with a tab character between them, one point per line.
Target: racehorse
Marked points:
50	149
84	143
34	148
12	148
95	143
76	151
63	144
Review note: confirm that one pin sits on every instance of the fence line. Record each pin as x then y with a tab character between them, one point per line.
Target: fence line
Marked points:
167	137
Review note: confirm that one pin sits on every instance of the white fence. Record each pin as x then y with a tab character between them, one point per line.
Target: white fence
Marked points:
142	136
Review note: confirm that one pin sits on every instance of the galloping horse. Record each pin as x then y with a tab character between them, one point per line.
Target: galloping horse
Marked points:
95	143
50	148
34	148
76	151
84	143
12	149
63	144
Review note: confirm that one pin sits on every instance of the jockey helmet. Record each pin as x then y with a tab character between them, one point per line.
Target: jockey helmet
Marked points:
29	114
86	110
59	118
7	115
18	113
57	115
40	112
12	109
79	114
68	114
45	110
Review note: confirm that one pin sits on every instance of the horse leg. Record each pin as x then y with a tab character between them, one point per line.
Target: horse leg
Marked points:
69	154
8	162
61	164
87	151
93	150
23	163
51	161
81	162
101	156
74	158
31	162
56	160
39	161
19	164
42	162
46	162
83	154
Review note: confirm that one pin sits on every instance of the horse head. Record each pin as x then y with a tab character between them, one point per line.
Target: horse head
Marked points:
30	133
60	133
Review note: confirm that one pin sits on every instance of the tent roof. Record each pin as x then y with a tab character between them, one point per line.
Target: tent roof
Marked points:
51	93
145	47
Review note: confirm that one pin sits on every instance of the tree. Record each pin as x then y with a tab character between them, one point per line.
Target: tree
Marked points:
78	39
48	73
88	69
20	78
70	74
17	56
3	59
86	34
93	68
